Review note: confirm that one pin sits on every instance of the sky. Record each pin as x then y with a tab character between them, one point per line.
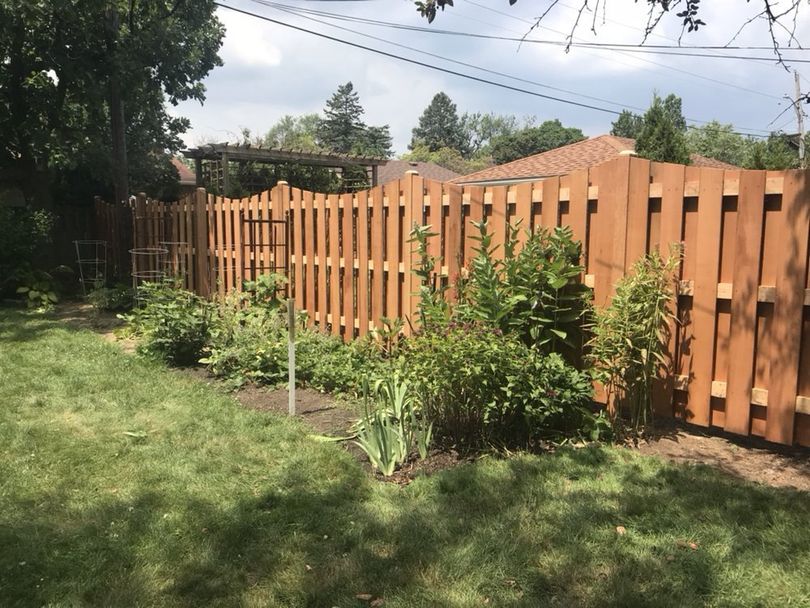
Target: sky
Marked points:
270	70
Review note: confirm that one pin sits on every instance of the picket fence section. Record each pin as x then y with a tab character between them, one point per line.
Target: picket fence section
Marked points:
740	351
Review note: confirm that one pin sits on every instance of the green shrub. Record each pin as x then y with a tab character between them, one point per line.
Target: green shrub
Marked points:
248	343
534	292
38	288
630	336
326	363
173	323
112	299
22	232
479	386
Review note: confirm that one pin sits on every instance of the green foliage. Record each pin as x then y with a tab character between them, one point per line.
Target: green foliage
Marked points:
248	343
394	429
716	140
117	298
58	61
774	153
662	135
294	133
433	308
39	289
630	336
534	292
173	324
22	232
264	291
447	158
628	124
478	385
440	127
326	363
533	140
343	131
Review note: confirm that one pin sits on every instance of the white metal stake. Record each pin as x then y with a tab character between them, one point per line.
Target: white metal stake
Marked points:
291	353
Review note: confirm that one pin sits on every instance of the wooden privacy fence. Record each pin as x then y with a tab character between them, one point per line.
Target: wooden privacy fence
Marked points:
740	352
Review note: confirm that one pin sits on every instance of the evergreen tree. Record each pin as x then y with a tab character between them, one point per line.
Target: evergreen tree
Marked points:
342	126
661	137
375	142
440	127
628	124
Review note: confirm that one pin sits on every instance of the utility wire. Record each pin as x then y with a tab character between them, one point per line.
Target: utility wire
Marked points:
428	65
662	65
457	62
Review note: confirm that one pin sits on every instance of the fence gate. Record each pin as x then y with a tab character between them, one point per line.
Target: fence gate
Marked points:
265	247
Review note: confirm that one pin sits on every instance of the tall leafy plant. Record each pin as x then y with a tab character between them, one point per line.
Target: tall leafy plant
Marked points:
533	290
630	336
433	308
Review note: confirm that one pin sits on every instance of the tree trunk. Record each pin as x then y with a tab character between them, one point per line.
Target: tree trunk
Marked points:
120	172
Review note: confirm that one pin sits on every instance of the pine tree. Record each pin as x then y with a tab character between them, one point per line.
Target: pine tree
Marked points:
661	138
628	124
375	142
342	126
440	127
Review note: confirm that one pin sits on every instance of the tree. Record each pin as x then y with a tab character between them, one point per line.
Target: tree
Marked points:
294	133
774	153
661	137
628	124
84	85
533	140
375	142
782	19
440	127
343	131
341	127
480	130
448	158
717	140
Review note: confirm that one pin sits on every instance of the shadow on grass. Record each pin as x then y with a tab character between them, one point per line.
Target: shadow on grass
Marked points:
523	532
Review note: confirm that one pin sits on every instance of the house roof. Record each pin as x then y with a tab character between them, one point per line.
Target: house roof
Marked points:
395	169
187	177
565	159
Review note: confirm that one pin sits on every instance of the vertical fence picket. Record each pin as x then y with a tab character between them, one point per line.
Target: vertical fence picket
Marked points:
334	260
362	262
791	270
377	256
750	214
393	230
309	251
322	269
348	266
297	232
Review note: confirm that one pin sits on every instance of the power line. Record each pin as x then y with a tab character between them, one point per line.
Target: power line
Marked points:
292	11
430	66
651	62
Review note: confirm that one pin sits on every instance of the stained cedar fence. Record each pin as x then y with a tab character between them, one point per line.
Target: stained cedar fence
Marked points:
740	351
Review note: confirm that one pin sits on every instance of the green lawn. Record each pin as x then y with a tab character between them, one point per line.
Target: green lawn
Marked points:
125	484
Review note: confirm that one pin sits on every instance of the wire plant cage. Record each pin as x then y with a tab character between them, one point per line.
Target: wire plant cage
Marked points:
148	266
91	258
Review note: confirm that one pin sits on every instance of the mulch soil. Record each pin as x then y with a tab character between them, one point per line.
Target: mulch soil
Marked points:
745	458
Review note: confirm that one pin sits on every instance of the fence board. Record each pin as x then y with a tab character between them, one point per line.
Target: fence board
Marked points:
377	256
523	211
334	262
791	270
744	303
309	303
362	262
550	208
704	300
323	269
348	266
296	219
393	235
476	215
454	248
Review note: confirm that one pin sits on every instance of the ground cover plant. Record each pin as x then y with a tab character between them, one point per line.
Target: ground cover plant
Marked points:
126	484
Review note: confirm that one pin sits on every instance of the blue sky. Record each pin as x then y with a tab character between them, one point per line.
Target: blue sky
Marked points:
271	70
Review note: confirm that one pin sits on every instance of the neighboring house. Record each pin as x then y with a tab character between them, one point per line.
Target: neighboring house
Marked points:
396	169
187	180
565	159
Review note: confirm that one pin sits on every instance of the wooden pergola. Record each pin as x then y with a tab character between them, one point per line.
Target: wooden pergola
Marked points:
220	155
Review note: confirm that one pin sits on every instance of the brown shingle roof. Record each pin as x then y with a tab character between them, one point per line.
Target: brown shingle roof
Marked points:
395	169
565	159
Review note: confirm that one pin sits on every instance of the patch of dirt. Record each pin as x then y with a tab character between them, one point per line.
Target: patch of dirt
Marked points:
749	459
437	460
319	410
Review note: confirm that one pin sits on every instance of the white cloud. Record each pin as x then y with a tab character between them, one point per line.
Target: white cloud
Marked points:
247	42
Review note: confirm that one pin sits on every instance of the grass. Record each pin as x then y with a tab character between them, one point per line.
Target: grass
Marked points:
126	484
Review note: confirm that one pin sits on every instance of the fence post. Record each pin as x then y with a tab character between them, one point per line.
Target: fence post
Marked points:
203	279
